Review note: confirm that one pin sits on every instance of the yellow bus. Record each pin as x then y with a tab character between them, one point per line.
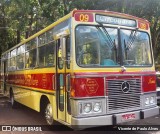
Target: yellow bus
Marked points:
89	68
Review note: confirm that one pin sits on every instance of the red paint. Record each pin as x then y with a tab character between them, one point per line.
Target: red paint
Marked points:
84	17
81	88
83	85
42	81
149	83
87	87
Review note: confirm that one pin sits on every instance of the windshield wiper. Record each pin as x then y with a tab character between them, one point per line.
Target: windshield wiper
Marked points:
131	39
109	39
129	43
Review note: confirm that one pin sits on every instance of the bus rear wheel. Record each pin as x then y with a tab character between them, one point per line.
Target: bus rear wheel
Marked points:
48	113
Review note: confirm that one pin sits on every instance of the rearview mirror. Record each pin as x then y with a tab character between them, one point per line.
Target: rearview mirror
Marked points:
63	46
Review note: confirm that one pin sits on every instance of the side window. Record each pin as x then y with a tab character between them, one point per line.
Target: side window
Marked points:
20	57
45	38
31	54
49	36
50	54
20	61
31	44
27	60
42	39
31	58
46	47
13	60
13	63
8	62
42	57
46	55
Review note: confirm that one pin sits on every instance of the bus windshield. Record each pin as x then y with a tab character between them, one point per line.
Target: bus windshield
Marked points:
103	46
135	48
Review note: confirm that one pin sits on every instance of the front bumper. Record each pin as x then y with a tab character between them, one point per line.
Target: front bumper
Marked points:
114	119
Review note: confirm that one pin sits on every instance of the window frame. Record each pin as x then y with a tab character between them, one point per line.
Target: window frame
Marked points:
119	46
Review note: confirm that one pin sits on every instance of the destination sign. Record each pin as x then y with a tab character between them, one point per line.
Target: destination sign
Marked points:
115	21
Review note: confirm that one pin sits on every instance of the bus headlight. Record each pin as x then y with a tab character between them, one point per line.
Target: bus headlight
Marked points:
152	101
147	101
97	107
87	107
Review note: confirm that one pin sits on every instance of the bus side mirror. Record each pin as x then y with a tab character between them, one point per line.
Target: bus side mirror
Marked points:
63	46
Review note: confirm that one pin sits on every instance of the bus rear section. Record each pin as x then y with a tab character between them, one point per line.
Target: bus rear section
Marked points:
113	79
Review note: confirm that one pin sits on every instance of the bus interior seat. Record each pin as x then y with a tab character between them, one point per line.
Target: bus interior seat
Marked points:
108	62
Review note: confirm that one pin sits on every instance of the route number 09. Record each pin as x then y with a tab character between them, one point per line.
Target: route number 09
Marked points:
84	17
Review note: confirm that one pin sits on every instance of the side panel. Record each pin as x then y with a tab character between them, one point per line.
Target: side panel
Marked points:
28	86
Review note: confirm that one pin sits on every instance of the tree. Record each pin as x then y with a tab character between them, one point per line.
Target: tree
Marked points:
22	18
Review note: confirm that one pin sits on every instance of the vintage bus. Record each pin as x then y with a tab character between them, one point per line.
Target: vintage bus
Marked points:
89	68
157	67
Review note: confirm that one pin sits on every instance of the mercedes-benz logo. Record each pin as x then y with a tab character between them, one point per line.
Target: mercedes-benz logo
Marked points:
125	87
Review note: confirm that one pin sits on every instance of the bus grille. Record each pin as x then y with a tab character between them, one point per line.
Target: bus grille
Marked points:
118	100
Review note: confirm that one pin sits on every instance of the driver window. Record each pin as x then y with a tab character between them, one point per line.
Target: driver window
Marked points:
88	48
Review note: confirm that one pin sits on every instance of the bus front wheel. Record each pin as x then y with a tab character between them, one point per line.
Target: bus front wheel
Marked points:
49	114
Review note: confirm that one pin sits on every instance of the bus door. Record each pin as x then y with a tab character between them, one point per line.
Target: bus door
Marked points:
61	74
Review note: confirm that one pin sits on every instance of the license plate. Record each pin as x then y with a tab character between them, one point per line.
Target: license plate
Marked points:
128	116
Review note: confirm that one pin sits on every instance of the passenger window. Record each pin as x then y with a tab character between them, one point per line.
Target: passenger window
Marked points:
31	58
50	54
46	55
20	61
42	56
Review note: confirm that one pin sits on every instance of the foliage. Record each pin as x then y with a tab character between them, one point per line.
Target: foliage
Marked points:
22	18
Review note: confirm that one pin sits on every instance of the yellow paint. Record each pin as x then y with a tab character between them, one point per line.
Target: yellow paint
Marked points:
60	53
61	34
35	71
111	70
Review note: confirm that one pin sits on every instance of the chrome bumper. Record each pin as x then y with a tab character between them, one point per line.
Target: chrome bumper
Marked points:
114	119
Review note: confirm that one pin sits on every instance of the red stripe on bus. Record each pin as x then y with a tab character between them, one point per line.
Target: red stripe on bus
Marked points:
42	81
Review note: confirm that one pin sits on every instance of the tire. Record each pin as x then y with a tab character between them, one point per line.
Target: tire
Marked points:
13	102
48	114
